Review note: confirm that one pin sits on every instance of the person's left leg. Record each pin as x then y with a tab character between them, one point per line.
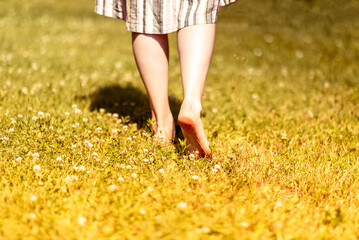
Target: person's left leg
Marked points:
151	55
195	48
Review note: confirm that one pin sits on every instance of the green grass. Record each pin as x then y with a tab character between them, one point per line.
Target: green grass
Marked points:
281	110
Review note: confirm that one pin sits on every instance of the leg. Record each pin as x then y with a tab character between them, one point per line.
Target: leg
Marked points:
195	48
151	55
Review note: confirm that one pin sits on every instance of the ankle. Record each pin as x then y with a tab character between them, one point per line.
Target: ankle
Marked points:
165	123
191	105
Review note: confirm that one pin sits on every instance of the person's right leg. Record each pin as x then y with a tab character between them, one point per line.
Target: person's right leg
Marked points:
151	55
195	48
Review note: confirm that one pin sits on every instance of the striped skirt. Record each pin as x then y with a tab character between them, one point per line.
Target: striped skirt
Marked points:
161	16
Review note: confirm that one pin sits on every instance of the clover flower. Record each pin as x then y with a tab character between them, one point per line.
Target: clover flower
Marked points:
33	198
182	205
81	221
112	188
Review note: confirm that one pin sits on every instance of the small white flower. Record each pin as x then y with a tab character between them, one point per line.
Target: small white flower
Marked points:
128	166
94	155
268	38
73	178
145	160
142	211
112	188
84	119
192	156
161	170
37	168
102	110
207	205
13	121
129	139
134	175
205	230
40	114
310	114
4	138
18	159
326	85
278	204
20	116
59	159
63	189
35	155
78	112
299	54
120	179
244	224
182	205
73	146
32	216
217	166
88	144
81	221
67	113
74	106
114	131
81	169
195	177
214	170
145	150
11	130
258	52
34	118
98	130
115	115
284	136
51	128
33	198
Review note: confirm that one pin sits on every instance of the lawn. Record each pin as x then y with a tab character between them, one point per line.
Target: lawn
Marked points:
281	110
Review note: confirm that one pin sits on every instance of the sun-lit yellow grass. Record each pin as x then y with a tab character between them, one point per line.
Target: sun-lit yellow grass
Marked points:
78	159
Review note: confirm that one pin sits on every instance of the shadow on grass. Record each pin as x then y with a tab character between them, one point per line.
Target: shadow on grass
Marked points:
131	102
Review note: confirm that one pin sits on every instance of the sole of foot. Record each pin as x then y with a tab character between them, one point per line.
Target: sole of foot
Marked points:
193	131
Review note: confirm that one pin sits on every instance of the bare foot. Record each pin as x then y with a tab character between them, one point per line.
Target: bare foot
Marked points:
164	133
189	119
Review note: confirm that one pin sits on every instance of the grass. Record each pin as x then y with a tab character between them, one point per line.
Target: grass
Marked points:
281	110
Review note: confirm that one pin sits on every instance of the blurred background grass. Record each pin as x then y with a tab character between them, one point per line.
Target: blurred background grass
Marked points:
276	65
